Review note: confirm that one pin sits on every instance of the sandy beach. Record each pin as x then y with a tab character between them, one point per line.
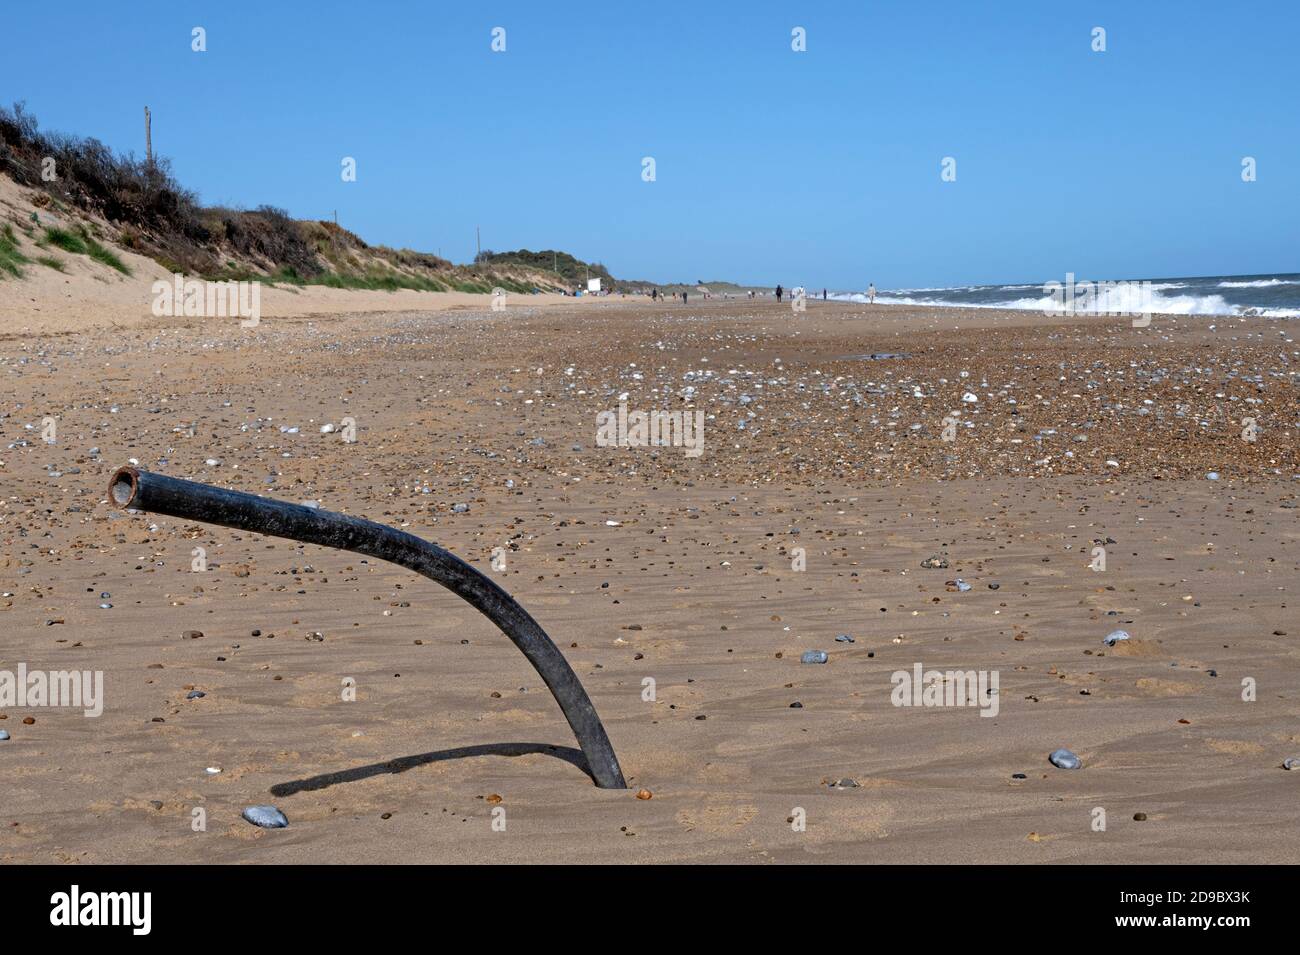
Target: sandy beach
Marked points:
708	576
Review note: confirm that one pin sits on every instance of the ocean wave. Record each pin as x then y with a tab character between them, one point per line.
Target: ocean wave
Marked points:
1127	299
1259	283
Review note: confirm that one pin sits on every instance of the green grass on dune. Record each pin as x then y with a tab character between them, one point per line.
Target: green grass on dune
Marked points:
10	258
64	239
81	242
378	282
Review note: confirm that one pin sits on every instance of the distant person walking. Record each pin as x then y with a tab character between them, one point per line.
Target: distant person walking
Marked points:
871	292
823	295
683	297
778	293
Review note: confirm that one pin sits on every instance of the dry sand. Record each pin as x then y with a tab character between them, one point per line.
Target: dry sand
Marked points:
692	587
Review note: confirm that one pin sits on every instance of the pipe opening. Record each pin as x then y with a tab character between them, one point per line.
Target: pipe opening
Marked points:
123	487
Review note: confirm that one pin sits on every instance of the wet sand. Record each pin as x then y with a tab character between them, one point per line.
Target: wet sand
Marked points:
692	586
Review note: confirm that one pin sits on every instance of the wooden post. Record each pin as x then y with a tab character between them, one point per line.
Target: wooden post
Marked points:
148	139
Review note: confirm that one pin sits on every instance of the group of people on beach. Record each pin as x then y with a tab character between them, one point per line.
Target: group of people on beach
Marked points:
779	292
871	293
655	296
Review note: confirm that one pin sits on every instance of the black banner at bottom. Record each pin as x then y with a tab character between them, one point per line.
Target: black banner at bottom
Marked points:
335	904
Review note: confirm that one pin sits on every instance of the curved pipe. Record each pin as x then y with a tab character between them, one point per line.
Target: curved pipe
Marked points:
147	491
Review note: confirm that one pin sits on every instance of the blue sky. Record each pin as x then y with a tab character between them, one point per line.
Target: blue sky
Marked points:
816	168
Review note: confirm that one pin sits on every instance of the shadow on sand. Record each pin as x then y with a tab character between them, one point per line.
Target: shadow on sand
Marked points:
402	763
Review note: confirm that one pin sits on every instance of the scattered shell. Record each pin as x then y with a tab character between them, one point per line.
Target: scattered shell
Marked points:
644	794
1115	636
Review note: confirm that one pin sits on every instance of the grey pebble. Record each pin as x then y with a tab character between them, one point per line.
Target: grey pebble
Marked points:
267	817
1289	763
1064	759
813	656
195	695
4	734
844	638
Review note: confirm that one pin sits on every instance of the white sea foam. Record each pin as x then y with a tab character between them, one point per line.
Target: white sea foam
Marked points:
1127	298
1259	283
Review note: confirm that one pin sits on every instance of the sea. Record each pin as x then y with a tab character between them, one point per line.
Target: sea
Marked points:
1273	296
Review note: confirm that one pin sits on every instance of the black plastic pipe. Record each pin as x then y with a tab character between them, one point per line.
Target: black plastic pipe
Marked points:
189	500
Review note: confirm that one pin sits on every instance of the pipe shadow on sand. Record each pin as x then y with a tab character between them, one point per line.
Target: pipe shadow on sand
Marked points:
402	763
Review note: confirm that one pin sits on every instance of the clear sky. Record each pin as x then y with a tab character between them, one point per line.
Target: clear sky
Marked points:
819	167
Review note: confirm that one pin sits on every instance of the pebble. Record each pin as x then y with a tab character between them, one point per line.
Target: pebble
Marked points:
267	817
935	563
844	638
1114	637
1064	759
959	586
813	656
4	734
195	695
1212	476
459	508
1139	817
1290	762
